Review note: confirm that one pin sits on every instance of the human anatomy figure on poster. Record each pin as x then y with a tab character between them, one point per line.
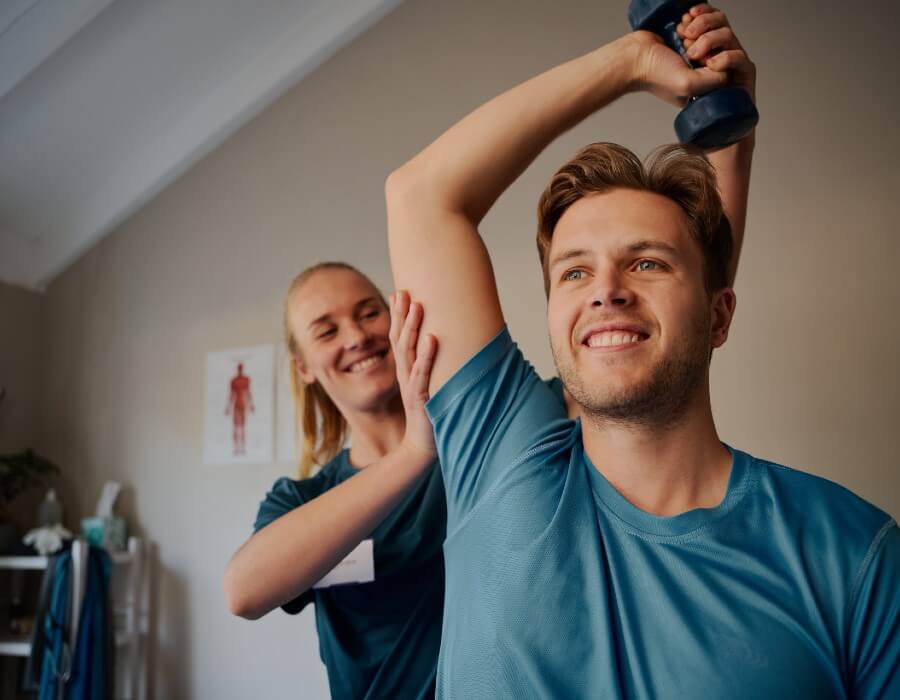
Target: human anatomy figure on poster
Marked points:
240	400
242	380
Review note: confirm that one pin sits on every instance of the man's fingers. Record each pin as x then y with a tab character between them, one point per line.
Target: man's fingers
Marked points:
705	23
695	11
735	59
703	80
721	39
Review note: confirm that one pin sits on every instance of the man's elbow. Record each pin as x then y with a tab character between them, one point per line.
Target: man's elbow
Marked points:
404	215
399	188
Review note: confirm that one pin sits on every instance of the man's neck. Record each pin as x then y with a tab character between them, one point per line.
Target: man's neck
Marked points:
662	470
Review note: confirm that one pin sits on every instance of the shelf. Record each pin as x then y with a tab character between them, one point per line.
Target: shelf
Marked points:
21	646
36	563
121	557
15	646
128	603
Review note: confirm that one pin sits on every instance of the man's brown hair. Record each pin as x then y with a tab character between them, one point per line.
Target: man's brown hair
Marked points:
681	173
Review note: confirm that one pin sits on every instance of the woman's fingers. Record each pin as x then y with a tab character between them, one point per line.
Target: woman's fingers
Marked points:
399	311
409	334
414	359
406	322
421	369
396	321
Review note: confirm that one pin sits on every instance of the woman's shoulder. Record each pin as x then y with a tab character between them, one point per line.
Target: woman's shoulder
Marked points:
328	476
287	493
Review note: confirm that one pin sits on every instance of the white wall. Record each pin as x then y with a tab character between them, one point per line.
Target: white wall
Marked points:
21	351
808	377
20	355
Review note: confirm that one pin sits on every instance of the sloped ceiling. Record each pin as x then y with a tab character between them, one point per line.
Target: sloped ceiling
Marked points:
104	102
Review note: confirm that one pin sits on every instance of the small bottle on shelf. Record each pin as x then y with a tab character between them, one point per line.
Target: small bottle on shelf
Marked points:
50	510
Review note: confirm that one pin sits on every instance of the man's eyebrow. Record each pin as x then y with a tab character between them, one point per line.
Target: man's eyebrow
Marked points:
642	246
324	318
568	255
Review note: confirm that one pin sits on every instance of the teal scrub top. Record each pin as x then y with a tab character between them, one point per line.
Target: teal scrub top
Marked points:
558	587
379	639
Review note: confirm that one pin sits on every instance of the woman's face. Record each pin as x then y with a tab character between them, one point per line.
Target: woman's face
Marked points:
341	327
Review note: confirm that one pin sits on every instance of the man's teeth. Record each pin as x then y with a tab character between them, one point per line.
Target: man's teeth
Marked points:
610	339
364	364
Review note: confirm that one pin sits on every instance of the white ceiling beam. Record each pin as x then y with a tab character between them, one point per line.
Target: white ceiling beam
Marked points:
67	227
32	30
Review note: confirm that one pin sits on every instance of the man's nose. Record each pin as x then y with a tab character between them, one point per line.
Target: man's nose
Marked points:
611	290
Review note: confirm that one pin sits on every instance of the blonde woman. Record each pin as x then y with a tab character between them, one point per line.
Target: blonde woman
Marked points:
378	639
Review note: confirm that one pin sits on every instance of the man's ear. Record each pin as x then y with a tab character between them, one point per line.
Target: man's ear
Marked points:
302	370
722	310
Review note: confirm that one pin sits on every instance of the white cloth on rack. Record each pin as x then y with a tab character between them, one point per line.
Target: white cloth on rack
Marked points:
48	539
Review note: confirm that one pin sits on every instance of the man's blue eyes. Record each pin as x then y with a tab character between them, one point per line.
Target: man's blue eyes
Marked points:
642	266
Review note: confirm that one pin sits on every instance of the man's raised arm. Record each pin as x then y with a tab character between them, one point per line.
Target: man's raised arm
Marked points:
707	36
436	201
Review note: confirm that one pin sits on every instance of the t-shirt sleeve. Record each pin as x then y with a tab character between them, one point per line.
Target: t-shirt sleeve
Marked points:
283	498
875	620
487	418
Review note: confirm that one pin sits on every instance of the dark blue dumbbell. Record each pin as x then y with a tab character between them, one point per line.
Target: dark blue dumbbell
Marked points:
717	118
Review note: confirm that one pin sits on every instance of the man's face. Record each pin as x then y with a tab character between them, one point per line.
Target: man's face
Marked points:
631	323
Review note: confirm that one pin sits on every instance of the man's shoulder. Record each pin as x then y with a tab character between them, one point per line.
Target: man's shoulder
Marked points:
820	508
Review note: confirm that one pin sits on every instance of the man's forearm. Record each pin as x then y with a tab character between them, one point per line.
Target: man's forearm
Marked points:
733	166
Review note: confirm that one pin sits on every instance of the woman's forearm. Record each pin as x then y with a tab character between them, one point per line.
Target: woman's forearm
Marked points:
289	555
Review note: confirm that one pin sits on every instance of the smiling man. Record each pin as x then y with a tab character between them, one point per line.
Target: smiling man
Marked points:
630	553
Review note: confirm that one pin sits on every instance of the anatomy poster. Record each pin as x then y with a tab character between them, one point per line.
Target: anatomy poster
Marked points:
239	406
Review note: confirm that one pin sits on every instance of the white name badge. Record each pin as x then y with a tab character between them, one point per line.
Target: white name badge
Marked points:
356	567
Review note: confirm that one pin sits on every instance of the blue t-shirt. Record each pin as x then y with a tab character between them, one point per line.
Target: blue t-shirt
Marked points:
378	639
558	587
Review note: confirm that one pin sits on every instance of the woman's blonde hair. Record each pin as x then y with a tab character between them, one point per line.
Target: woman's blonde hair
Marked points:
319	420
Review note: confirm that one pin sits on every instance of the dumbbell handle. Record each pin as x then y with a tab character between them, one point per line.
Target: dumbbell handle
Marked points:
669	35
718	118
